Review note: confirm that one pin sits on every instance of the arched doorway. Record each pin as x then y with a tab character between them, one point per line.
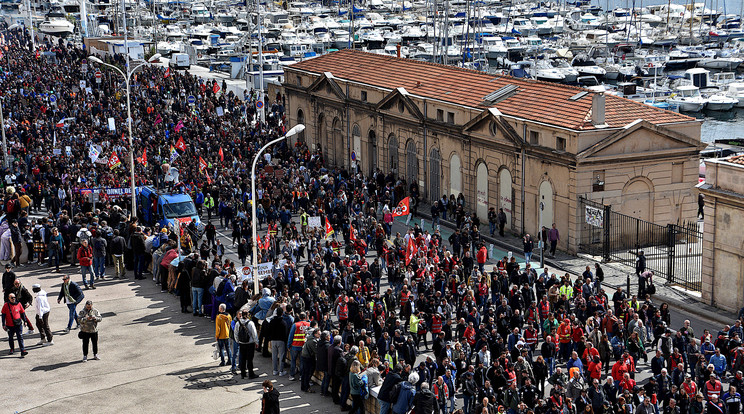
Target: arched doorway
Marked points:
322	137
300	120
481	191
637	201
435	168
337	144
372	152
546	196
411	163
505	195
393	154
455	175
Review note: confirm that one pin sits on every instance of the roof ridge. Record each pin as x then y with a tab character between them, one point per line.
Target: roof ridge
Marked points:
651	106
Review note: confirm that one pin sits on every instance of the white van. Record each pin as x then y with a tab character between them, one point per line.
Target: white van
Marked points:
180	61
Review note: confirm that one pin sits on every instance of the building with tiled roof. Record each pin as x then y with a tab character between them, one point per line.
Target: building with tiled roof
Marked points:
502	142
723	240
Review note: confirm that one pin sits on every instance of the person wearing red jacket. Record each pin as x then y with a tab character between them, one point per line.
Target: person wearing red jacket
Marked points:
85	258
481	257
13	317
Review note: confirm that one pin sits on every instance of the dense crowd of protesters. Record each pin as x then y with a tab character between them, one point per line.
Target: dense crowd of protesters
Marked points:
364	306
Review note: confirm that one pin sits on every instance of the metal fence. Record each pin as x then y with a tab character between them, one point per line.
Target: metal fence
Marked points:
674	252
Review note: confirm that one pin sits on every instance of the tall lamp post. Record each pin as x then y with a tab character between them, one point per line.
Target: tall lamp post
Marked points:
294	131
127	77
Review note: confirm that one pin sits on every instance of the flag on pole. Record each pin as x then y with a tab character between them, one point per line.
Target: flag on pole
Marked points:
158	119
114	161
180	144
328	228
222	155
267	242
93	153
179	125
60	123
209	180
173	154
410	250
143	159
215	88
352	237
404	208
167	73
54	142
202	164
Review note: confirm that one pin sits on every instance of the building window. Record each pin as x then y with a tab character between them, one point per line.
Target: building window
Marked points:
598	181
401	106
450	117
534	138
440	115
678	170
364	96
299	80
560	144
493	128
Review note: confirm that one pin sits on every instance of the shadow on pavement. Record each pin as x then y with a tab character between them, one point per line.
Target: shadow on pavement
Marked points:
52	367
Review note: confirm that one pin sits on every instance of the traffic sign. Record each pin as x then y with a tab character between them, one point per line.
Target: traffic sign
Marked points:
191	99
259	104
99	75
84	67
53	99
353	156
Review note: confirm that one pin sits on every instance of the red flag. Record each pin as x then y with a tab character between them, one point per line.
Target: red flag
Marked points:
267	242
167	73
410	250
180	144
179	125
209	180
202	164
328	228
215	88
60	123
259	243
203	87
114	161
352	237
143	159
404	208
222	156
158	119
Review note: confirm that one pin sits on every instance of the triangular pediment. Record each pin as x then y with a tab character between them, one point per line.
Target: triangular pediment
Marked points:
490	123
640	137
398	102
326	83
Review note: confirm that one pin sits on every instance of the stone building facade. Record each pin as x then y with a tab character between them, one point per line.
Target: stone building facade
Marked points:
723	240
500	141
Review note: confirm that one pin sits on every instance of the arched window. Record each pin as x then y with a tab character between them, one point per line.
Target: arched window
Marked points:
411	163
392	154
435	166
301	120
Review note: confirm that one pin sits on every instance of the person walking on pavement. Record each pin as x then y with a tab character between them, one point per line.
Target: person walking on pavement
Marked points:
553	238
222	333
640	267
270	399
99	255
72	295
13	317
56	247
17	239
308	356
85	258
9	278
502	221
89	318
42	315
23	296
247	338
528	245
138	249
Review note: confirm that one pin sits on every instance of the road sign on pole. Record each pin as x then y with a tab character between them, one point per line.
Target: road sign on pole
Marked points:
99	75
191	100
259	104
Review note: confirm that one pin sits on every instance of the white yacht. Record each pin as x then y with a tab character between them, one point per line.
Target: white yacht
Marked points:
736	90
688	99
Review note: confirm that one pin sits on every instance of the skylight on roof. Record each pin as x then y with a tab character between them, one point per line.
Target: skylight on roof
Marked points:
501	94
578	96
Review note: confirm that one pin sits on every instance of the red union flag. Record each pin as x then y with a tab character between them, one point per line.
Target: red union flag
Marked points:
410	250
180	144
404	208
222	155
202	164
215	88
114	161
352	237
328	228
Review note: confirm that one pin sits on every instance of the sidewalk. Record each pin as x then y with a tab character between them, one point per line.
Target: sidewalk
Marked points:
616	275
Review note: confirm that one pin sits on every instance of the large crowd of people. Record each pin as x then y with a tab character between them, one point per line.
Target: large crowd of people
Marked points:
356	303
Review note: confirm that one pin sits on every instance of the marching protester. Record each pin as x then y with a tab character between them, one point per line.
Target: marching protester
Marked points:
89	319
42	314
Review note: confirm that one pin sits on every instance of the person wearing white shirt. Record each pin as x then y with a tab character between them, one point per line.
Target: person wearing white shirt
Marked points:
42	315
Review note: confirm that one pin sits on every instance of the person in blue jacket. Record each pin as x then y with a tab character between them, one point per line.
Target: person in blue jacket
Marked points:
406	394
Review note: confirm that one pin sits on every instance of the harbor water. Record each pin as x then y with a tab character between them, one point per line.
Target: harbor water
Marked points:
720	125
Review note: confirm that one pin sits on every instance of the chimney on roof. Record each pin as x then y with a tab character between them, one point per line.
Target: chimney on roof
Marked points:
397	50
598	110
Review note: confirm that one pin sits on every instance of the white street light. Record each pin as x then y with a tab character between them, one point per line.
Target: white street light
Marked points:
294	131
127	77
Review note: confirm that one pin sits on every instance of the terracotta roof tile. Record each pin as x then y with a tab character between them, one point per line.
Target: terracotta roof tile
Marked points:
736	159
535	100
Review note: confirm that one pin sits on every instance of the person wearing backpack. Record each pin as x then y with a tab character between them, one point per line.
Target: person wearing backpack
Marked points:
99	255
385	395
247	337
406	392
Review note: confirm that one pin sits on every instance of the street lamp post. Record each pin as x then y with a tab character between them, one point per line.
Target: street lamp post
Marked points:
127	77
294	131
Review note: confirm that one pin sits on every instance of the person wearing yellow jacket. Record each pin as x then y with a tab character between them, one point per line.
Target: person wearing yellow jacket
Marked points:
222	334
